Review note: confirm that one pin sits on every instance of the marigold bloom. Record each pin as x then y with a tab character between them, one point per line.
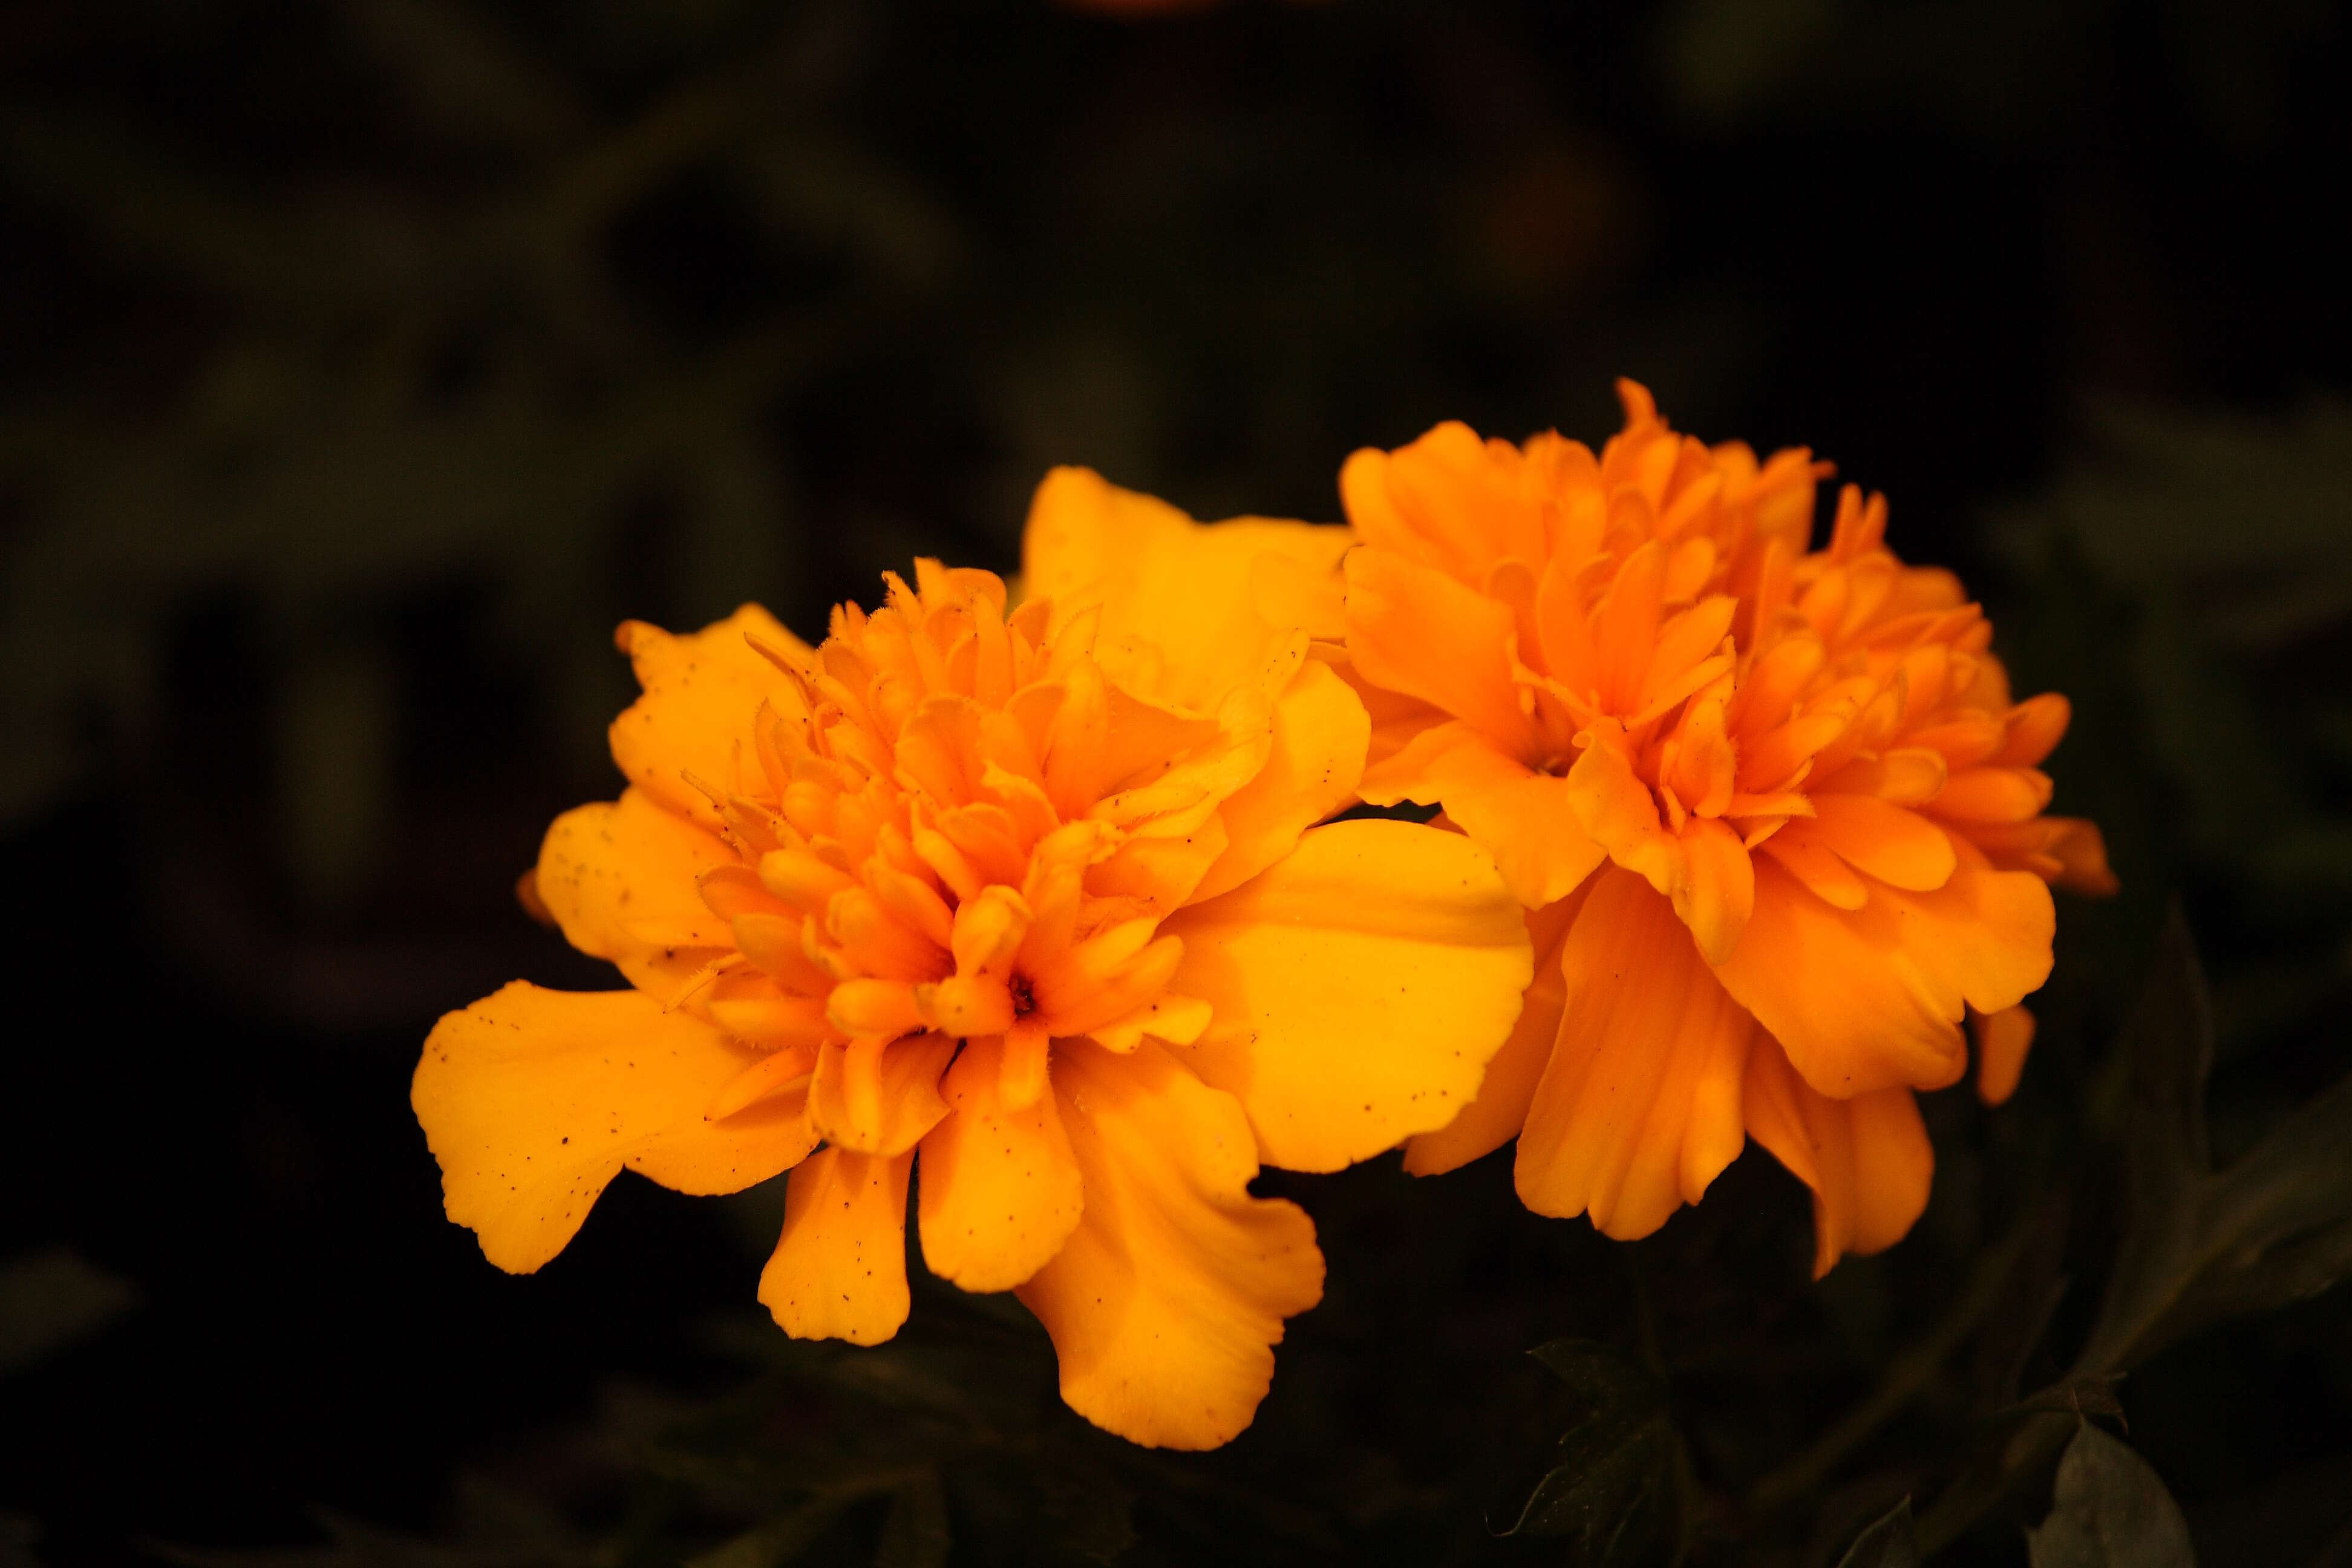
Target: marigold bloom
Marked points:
1776	817
1037	895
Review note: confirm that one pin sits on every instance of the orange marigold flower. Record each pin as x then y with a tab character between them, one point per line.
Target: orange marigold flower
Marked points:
1776	816
1036	894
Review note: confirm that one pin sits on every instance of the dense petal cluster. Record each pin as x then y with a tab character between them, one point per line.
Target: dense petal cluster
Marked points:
1776	816
1033	894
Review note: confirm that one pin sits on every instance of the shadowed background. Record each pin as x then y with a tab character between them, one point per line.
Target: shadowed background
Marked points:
363	363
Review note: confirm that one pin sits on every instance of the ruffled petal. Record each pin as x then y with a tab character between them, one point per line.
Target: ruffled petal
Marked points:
1168	1300
701	693
533	1100
1493	1119
839	1270
1638	1110
621	880
2003	1040
1199	594
1360	985
1320	733
1867	1159
1525	819
1871	998
1880	839
879	1097
1000	1192
1411	628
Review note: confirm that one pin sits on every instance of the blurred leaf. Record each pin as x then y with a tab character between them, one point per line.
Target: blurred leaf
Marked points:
2112	1512
915	1533
18	1534
49	1300
2074	1396
774	1541
2200	1247
1888	1544
1614	1488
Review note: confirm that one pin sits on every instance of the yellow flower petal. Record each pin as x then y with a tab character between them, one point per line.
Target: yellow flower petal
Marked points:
1168	1300
1494	1116
701	690
1360	985
1191	593
1867	1159
620	877
1000	1192
1527	818
533	1100
879	1097
1320	733
839	1271
1639	1107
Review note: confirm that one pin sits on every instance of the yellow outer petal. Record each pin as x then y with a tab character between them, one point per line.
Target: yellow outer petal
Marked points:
620	877
1360	985
1494	1116
1196	593
839	1271
533	1100
702	692
1526	820
1320	734
1867	1159
1000	1192
1168	1300
1638	1111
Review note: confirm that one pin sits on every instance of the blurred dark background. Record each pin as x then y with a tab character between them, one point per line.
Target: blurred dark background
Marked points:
363	363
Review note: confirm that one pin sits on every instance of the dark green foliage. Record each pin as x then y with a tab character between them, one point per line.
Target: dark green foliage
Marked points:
1615	1486
2202	1246
1890	1542
2112	1512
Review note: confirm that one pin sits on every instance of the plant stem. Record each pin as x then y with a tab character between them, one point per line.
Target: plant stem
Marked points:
1905	1377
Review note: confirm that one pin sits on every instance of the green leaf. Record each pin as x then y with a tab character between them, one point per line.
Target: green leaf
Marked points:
2198	1246
2112	1512
1613	1489
1890	1542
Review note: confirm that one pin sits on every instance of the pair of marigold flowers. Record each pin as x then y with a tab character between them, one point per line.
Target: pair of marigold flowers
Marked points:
1044	898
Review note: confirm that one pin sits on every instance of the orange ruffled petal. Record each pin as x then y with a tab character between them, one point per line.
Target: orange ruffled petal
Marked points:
1871	998
1526	818
839	1271
532	1100
1638	1110
694	718
1001	1191
2003	1040
621	879
1320	735
1867	1159
1168	1300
